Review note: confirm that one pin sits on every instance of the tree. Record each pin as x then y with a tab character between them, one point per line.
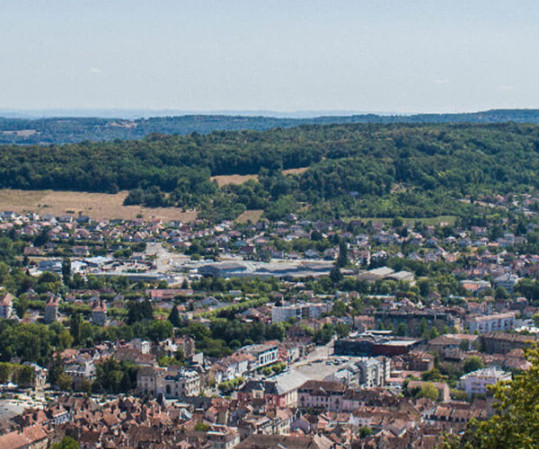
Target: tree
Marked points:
66	270
174	317
429	391
21	305
397	223
66	443
65	382
472	363
342	259
335	275
339	309
56	368
365	432
342	329
139	311
75	327
6	371
501	293
25	376
402	330
516	422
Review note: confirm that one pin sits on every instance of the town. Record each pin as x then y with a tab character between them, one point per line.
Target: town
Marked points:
365	333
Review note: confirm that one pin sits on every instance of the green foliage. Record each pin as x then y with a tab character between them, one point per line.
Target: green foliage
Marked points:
22	375
230	385
66	443
139	311
201	427
324	335
429	391
516	423
114	377
31	342
352	169
174	317
472	363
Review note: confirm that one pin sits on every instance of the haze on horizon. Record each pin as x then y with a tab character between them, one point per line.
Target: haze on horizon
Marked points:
271	55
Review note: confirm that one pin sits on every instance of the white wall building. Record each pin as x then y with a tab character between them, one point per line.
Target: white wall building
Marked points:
298	311
477	382
491	323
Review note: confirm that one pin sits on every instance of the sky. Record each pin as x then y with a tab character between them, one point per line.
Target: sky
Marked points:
392	56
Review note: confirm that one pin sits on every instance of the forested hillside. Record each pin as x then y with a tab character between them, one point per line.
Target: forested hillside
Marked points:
73	130
353	170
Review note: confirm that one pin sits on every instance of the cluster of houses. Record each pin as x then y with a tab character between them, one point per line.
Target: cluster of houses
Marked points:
364	389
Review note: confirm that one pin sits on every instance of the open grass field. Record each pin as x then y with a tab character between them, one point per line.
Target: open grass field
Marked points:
225	180
98	206
252	215
295	171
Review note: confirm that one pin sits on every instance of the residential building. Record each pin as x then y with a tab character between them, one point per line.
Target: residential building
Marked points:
277	391
287	441
99	313
373	372
51	311
477	382
298	311
81	371
502	343
6	305
182	383
507	281
232	367
320	394
264	354
222	437
32	437
150	381
491	323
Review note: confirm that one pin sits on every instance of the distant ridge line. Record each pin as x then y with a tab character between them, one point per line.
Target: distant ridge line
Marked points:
71	129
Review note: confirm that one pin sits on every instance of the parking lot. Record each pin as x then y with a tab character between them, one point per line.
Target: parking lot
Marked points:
321	368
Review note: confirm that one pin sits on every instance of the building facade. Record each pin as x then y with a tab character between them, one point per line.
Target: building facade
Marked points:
477	382
491	323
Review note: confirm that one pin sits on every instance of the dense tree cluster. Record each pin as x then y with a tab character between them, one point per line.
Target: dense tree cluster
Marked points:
357	169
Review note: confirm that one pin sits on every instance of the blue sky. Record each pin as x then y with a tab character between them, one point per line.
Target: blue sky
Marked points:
295	55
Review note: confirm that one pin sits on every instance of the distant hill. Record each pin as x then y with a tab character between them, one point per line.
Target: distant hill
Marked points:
77	129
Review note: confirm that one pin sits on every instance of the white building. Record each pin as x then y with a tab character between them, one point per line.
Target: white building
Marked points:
477	382
263	355
491	323
507	281
297	311
373	371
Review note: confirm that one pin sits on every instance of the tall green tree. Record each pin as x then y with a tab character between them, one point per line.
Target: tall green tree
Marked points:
66	270
174	317
342	259
75	327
